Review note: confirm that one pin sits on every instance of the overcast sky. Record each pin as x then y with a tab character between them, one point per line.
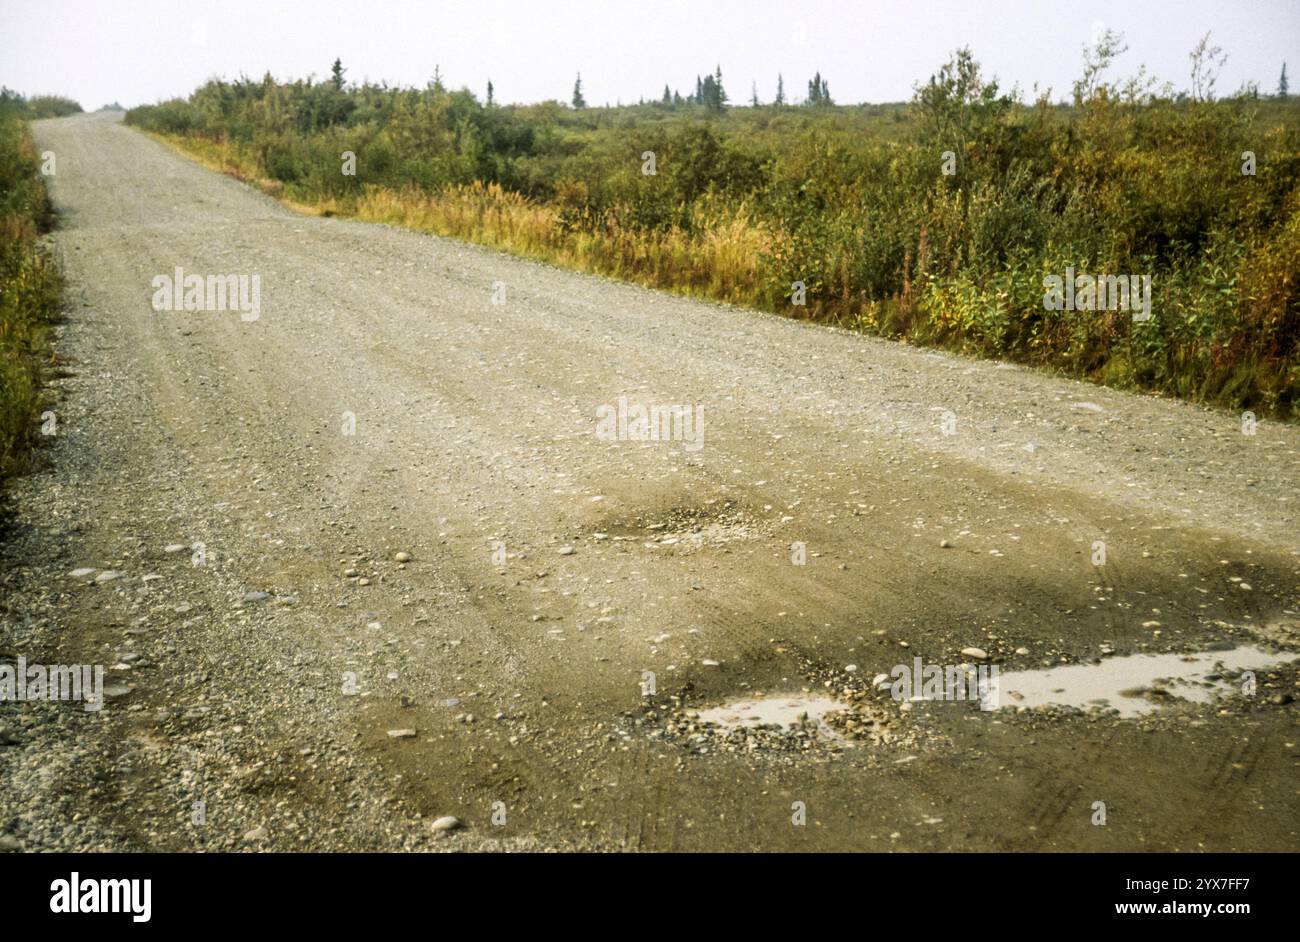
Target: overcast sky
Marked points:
98	51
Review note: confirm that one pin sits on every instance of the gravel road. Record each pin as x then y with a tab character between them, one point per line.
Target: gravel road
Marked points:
404	394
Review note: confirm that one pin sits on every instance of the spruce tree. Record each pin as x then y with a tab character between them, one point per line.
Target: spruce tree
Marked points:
578	100
337	70
780	90
1282	85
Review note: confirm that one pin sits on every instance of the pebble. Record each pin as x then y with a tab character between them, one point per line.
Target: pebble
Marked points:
81	573
945	544
108	575
9	844
978	654
446	823
401	734
403	557
256	834
255	596
567	551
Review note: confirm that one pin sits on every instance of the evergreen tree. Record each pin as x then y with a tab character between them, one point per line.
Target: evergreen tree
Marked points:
719	93
780	90
578	100
753	94
708	92
699	91
489	98
1282	85
818	91
668	97
337	70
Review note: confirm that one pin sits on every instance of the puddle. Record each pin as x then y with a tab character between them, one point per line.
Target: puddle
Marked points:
1135	685
787	712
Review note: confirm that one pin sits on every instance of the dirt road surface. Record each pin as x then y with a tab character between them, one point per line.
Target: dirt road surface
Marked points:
399	393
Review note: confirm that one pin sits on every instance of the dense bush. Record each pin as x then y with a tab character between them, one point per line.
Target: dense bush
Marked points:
852	201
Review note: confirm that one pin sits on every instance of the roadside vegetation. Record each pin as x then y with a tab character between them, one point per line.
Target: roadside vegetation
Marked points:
30	283
934	221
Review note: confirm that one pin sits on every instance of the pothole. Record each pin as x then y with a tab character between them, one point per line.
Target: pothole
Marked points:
782	712
687	528
1137	684
780	723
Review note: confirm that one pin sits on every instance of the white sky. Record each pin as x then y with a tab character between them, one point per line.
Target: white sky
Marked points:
98	51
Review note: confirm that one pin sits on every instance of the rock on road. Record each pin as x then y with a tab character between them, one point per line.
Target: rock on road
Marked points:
283	676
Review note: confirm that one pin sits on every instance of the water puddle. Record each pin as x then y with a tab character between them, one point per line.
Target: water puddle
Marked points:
1137	684
791	712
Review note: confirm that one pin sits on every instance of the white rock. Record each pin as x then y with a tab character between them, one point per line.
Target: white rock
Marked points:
978	654
446	823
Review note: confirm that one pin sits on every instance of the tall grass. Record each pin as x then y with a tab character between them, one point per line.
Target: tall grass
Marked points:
30	291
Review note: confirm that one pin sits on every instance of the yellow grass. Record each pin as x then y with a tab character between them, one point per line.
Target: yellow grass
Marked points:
719	259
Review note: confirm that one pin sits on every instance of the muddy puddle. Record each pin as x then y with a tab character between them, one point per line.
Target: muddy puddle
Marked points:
1137	684
789	712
